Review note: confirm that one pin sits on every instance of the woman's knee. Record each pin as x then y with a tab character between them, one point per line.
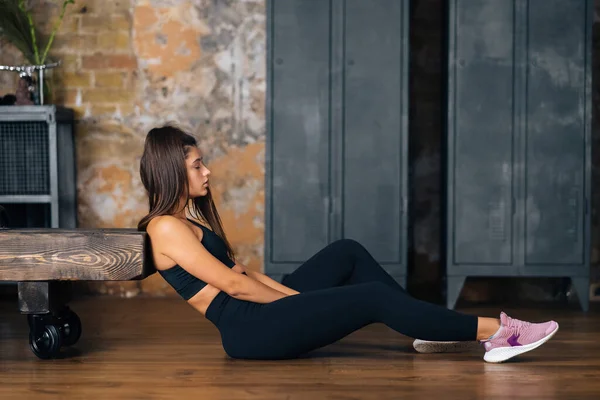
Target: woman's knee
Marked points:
349	245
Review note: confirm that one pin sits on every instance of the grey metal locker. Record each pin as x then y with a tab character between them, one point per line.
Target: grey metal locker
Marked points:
337	120
518	141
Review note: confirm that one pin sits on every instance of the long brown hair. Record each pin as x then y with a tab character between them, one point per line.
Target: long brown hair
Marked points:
164	175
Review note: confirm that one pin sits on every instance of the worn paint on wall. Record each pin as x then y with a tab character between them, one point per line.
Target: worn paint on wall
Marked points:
129	65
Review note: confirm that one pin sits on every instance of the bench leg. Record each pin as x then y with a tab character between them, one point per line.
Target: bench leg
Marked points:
51	323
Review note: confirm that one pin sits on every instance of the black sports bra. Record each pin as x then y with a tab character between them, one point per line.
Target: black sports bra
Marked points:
186	284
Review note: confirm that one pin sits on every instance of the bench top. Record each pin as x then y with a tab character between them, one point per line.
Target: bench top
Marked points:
41	254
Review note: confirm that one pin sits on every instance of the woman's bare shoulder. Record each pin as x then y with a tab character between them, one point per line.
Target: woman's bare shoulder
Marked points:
161	223
168	227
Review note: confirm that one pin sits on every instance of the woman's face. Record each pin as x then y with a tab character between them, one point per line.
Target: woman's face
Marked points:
197	173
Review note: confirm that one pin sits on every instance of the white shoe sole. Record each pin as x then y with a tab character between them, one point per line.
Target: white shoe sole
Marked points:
502	354
430	347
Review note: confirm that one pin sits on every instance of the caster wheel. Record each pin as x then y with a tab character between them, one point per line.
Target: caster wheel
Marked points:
45	343
70	327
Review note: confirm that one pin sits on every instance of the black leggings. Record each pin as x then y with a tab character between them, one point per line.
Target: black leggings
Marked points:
342	289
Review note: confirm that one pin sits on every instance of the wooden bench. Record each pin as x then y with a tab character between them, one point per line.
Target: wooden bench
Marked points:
41	260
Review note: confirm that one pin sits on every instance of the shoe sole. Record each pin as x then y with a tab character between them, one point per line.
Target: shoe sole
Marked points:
427	347
502	354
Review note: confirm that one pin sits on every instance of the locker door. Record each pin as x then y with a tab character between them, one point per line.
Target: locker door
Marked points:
555	144
480	134
336	142
518	141
375	129
298	183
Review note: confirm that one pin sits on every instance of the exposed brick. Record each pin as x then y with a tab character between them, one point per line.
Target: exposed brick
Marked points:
103	61
45	15
69	62
121	22
90	6
66	96
80	111
75	43
120	6
103	109
98	42
117	41
95	23
102	23
79	79
110	79
130	80
107	96
126	108
105	7
70	23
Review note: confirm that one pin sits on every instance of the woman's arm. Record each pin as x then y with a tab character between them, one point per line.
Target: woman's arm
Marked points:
250	289
175	240
268	281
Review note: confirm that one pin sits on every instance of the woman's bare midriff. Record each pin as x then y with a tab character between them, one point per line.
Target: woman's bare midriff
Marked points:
201	300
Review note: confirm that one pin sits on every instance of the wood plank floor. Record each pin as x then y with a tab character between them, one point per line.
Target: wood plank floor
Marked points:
162	349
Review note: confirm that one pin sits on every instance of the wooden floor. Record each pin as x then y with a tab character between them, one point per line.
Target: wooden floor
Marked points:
160	348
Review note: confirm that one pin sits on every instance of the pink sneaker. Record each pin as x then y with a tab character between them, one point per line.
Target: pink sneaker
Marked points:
516	337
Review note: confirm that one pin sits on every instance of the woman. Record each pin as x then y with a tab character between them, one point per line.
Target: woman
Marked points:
336	292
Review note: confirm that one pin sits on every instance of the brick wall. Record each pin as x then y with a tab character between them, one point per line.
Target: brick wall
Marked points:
131	65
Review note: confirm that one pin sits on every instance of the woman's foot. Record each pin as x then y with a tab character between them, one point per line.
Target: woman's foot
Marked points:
516	337
513	338
426	346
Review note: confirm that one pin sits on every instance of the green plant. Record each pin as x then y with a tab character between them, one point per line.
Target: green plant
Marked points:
17	26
